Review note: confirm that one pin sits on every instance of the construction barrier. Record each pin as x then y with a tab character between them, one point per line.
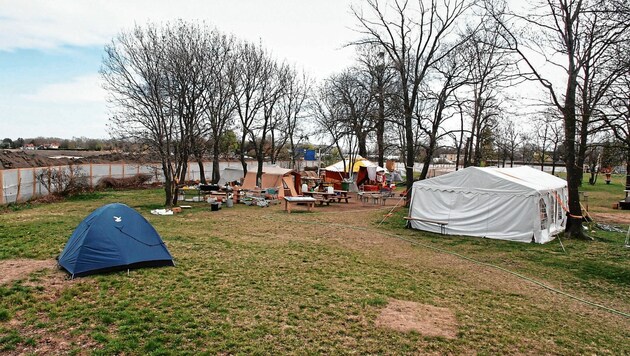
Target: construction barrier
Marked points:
21	184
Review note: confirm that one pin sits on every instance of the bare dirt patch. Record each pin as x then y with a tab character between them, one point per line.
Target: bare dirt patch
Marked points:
612	218
427	320
20	269
50	282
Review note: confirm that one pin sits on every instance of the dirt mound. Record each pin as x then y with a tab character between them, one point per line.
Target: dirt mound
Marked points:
11	159
426	319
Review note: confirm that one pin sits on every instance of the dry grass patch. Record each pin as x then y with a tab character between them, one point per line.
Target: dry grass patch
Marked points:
20	269
427	320
254	280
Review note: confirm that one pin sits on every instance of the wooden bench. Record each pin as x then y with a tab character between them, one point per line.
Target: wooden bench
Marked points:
430	221
340	198
288	201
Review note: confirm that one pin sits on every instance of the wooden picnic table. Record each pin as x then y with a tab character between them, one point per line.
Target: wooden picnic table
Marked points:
288	201
342	195
321	197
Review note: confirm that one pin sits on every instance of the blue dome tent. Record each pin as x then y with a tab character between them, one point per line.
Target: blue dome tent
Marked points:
113	237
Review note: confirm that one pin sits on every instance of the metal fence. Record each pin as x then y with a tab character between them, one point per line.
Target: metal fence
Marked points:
21	184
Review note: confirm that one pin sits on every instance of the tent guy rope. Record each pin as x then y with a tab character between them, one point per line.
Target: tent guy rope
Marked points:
470	259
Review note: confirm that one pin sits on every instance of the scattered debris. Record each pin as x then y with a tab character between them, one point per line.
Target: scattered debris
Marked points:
610	228
162	212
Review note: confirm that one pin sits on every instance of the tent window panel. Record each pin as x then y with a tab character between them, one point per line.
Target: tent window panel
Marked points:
553	207
544	219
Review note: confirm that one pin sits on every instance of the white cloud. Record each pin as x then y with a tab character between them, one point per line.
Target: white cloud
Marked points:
308	33
78	90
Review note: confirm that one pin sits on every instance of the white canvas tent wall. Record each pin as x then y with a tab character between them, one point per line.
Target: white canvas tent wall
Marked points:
230	174
518	204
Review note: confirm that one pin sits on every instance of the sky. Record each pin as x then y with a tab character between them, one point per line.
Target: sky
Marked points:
51	51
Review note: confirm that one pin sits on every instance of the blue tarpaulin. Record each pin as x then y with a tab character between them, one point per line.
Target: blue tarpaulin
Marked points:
309	155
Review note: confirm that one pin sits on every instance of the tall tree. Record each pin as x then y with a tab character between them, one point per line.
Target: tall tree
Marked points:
451	74
292	107
380	76
133	72
185	45
490	73
560	27
617	115
219	97
247	84
329	116
272	88
413	39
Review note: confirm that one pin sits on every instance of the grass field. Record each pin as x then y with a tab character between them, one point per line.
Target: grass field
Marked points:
254	280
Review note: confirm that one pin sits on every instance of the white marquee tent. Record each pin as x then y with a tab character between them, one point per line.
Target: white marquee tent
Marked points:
519	204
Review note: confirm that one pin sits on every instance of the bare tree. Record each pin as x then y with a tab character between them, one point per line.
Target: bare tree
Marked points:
329	116
292	106
541	135
185	51
617	116
509	139
380	76
603	26
219	98
133	71
354	91
413	39
272	81
452	74
556	138
560	27
490	73
247	86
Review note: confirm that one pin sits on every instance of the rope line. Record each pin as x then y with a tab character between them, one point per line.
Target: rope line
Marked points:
470	259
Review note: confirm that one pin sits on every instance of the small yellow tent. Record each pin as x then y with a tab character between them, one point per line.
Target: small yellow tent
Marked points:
358	163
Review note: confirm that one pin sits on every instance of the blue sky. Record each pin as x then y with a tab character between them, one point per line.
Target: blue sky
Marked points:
51	92
51	51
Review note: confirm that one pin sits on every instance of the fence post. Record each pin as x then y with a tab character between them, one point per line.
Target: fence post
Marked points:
34	182
19	184
123	169
91	176
2	187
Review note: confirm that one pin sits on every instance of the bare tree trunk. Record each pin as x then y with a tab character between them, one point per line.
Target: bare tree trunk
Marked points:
380	133
216	170
574	172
